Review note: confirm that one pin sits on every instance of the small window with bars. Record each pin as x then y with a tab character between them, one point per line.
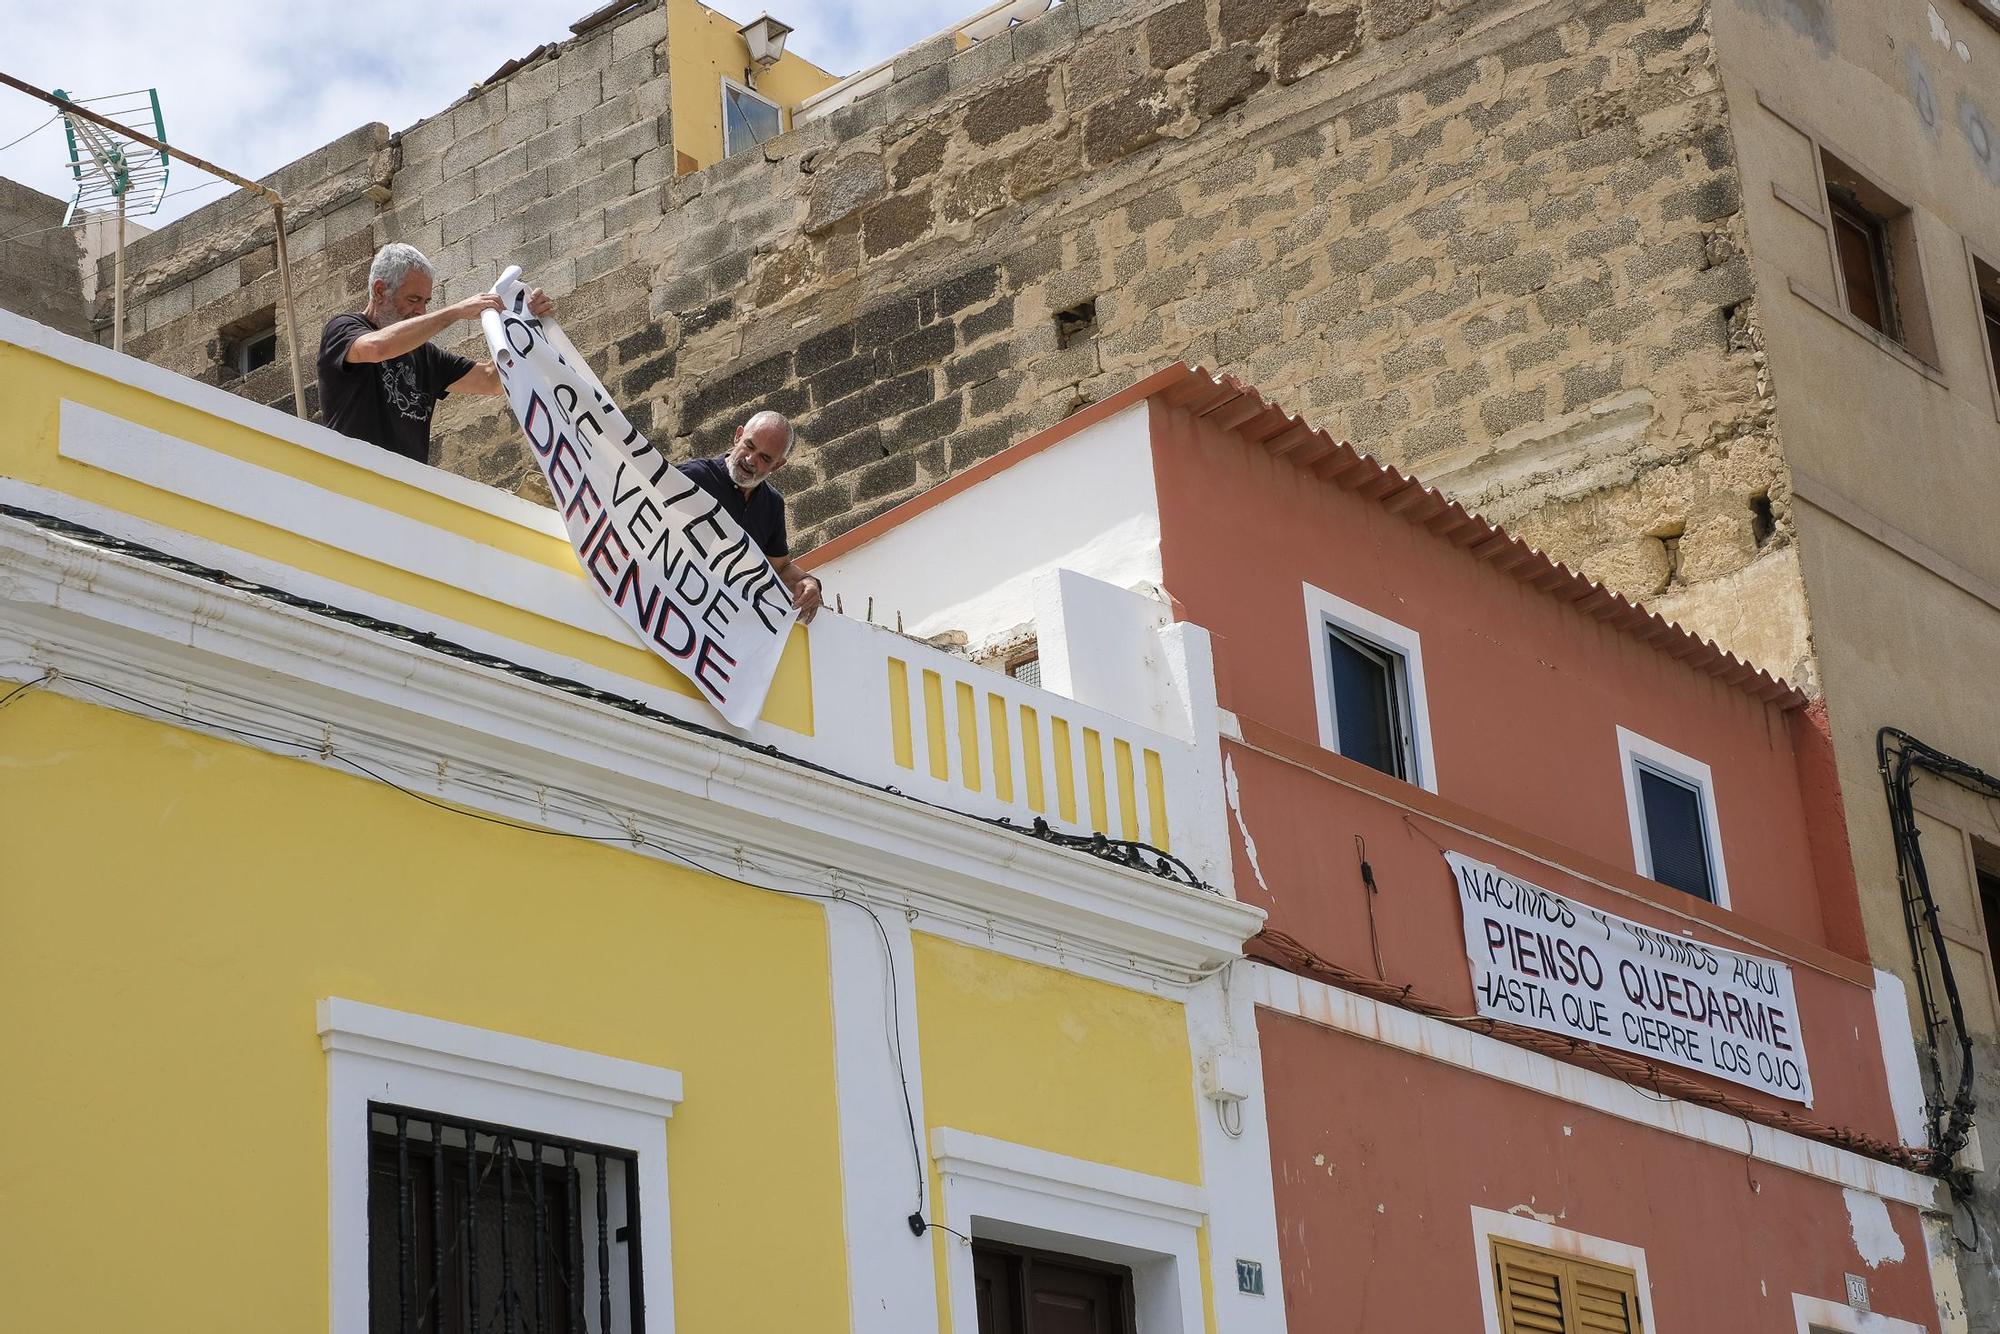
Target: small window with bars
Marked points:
475	1227
1371	703
1025	667
1545	1292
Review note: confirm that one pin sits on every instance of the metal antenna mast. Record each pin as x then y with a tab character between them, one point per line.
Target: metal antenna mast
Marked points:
112	159
110	167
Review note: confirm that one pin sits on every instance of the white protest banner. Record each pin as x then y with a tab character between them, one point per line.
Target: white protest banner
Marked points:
1545	961
661	551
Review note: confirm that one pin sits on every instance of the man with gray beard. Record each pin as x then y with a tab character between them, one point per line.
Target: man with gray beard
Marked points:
739	482
380	376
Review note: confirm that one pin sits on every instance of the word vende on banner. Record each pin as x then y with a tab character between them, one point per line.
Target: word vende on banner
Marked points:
1545	961
681	574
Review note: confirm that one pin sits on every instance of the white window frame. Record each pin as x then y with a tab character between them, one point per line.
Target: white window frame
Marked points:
1488	1224
722	104
1634	752
382	1055
1324	609
1816	1313
995	1190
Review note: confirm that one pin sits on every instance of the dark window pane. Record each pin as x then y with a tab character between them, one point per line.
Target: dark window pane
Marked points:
1022	1291
1864	265
747	120
1674	836
1989	902
1991	308
481	1185
1367	702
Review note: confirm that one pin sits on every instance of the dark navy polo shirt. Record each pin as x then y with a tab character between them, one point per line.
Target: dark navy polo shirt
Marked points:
761	514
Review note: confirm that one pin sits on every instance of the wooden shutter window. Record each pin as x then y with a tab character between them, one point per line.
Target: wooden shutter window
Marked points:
1543	1292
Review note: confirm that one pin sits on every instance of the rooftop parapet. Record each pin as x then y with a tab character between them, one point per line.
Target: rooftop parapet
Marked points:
262	502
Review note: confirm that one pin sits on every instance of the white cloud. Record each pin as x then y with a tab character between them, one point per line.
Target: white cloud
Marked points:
254	85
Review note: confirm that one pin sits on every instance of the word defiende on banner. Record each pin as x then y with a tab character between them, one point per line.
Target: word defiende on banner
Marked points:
1545	961
663	553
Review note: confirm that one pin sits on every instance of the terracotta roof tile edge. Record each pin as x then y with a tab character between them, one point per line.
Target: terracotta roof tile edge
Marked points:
1353	469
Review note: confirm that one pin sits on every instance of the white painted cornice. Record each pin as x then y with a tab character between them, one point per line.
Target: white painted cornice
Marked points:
315	689
960	1153
497	1058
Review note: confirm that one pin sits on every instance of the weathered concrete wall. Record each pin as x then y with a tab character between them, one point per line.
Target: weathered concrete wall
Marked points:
1495	241
40	259
557	167
1894	465
1500	246
195	284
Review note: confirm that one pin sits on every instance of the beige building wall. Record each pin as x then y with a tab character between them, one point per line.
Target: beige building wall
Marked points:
1892	448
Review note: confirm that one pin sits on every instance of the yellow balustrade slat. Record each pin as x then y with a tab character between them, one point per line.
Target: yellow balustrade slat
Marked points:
899	713
934	724
1003	756
1031	759
1065	769
970	772
1156	800
1093	777
1128	789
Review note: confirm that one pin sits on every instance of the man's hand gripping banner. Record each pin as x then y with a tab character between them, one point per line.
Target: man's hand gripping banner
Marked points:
685	579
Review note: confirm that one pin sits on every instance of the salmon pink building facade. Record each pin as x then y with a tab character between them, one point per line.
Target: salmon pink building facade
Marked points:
1564	1016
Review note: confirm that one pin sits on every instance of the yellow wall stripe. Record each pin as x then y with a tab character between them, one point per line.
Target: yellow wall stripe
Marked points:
1093	777
899	713
1003	757
1128	797
934	724
970	771
1065	769
1031	759
1156	800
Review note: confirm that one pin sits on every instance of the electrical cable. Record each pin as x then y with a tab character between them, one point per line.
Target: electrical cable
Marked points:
1949	1123
31	133
1131	853
1280	950
93	217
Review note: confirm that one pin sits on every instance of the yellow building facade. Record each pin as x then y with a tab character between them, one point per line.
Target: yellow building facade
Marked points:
347	855
708	59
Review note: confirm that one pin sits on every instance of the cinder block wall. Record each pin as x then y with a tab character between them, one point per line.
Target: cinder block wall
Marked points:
1497	242
195	284
40	273
1494	242
556	166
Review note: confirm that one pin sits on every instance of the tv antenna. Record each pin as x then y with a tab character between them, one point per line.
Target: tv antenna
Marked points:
128	165
114	170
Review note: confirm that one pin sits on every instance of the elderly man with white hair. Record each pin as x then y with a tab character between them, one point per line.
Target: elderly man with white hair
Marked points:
380	377
737	481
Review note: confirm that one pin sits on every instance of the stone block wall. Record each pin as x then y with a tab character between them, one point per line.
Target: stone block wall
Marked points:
557	166
1493	242
40	260
1496	242
195	285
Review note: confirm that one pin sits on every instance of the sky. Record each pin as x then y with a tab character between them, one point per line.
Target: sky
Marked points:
254	84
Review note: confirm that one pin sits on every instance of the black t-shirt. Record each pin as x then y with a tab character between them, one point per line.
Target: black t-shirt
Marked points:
386	403
761	514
